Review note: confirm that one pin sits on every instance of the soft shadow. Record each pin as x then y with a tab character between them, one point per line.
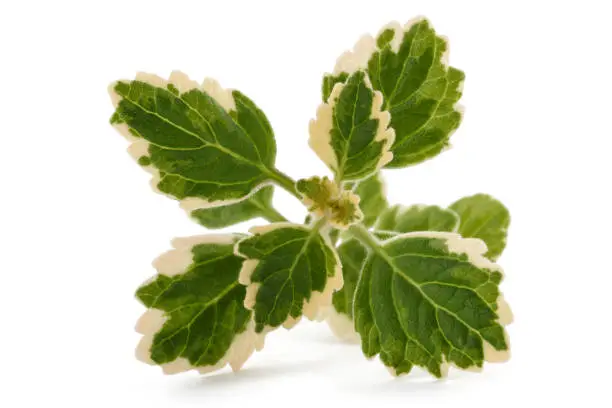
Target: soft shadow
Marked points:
215	382
416	381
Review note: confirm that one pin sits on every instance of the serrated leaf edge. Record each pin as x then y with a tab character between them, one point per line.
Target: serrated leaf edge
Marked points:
152	320
139	147
474	249
314	308
357	58
490	198
320	128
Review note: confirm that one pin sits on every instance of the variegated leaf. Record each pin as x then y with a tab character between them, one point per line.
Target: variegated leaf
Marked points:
290	270
204	145
196	318
431	299
408	65
350	134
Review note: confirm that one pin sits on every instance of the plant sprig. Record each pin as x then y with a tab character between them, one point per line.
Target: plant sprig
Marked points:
420	284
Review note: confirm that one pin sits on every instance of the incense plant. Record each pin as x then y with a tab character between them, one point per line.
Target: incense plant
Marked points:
416	285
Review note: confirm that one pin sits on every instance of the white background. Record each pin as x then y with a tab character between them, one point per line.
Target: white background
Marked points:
79	224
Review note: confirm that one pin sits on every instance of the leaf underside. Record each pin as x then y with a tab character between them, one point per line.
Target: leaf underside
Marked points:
399	219
484	217
256	205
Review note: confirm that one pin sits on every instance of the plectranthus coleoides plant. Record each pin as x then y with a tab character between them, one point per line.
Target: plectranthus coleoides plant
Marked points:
416	285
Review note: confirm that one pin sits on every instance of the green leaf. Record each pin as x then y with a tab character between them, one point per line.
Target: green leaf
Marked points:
350	133
196	318
430	299
392	221
409	66
258	204
483	217
205	146
399	218
340	319
433	137
291	270
373	200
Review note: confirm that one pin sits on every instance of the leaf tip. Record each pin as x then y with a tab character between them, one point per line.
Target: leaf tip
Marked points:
390	34
358	57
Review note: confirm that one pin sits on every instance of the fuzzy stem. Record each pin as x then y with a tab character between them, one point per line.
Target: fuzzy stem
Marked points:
364	236
285	182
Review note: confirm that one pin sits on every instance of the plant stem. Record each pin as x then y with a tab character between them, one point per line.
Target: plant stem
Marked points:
285	182
363	235
319	224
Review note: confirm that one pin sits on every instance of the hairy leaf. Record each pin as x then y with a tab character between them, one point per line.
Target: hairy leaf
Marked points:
291	270
430	299
399	218
484	217
258	204
196	318
350	132
408	65
205	146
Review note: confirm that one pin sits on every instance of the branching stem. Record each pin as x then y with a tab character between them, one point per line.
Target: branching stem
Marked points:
364	236
285	182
